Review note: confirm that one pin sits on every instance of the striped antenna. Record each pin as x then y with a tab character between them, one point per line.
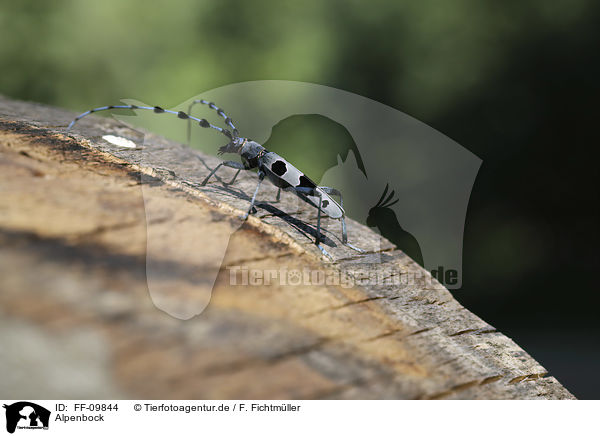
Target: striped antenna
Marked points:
157	110
228	121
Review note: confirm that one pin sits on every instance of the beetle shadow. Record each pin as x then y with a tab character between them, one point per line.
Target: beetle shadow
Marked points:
308	230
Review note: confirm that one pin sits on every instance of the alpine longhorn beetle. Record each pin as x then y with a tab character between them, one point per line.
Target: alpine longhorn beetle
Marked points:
275	168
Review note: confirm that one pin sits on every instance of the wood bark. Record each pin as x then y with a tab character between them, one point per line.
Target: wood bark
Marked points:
101	245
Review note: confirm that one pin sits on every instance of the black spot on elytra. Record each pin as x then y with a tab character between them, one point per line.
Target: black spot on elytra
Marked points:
279	167
325	203
305	182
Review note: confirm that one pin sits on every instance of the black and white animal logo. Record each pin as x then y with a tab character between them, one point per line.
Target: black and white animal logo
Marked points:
26	415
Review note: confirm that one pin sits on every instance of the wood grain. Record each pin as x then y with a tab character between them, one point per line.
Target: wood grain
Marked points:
116	278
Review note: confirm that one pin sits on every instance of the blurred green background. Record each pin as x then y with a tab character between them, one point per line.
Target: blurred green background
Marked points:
515	82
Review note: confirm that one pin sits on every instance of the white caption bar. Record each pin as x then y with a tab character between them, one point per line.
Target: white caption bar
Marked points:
298	417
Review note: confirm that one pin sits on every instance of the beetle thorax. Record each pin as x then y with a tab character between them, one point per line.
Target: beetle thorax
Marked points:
251	150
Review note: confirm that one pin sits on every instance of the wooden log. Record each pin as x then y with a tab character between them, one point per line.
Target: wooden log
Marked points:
117	278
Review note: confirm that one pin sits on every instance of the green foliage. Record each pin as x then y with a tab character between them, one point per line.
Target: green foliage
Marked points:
418	56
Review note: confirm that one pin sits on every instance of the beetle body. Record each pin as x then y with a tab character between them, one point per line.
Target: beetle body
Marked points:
286	176
275	168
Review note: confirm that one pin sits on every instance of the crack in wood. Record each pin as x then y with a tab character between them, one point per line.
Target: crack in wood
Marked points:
342	306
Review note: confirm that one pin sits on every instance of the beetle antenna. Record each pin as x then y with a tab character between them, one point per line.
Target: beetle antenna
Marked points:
228	121
156	109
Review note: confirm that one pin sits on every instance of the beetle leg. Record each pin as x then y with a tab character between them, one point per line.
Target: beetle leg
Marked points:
261	177
227	163
333	191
